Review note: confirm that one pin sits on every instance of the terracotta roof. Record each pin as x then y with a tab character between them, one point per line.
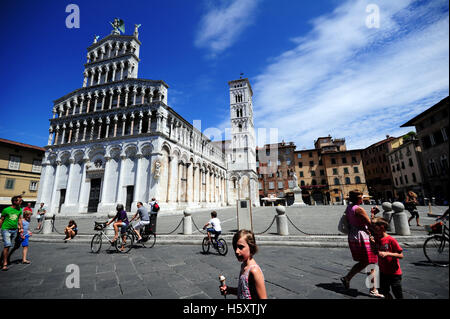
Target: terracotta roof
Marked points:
2	140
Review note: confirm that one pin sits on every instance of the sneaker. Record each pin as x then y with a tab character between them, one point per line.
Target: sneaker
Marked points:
375	294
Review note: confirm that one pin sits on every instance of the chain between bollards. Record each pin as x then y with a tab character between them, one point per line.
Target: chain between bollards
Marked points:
197	227
273	220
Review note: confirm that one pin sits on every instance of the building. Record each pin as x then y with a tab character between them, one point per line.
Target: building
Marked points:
326	174
275	168
344	170
405	159
116	140
432	127
20	171
377	170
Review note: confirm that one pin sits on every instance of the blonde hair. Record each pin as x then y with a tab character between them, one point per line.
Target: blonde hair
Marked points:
412	194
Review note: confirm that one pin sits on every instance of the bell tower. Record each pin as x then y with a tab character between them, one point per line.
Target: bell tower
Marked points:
242	156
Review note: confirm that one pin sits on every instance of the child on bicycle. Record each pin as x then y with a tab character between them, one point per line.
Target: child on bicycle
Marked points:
389	253
251	279
214	228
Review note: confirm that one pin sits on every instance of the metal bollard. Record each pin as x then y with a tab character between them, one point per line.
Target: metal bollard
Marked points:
387	214
400	220
282	222
109	230
187	222
48	223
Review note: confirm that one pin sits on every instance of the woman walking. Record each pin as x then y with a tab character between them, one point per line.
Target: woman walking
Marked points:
410	204
359	240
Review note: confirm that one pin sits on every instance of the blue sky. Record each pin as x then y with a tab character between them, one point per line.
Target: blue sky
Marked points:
316	68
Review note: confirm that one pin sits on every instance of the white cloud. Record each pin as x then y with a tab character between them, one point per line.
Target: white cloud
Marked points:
221	26
350	81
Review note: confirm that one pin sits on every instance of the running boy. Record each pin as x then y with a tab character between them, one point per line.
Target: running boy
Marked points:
389	253
214	228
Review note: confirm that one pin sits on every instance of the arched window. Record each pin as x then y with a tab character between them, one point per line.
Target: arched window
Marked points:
358	180
302	183
336	181
313	182
240	127
347	180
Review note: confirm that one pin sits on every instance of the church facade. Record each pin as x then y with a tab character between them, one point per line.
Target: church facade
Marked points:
116	140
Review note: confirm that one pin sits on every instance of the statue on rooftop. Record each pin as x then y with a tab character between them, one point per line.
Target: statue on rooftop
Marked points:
118	25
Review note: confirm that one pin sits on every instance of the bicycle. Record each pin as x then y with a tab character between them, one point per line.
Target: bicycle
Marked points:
218	244
436	247
119	244
147	234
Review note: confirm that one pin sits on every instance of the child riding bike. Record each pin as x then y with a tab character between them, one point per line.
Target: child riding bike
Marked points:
214	228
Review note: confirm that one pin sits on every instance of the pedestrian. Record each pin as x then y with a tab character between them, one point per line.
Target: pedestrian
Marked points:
214	226
251	279
154	209
359	240
27	209
410	205
71	230
25	235
389	253
40	215
11	225
144	219
121	220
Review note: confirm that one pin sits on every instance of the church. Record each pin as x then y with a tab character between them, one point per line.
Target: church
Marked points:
116	140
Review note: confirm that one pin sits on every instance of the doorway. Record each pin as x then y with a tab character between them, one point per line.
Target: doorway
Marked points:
130	192
94	195
62	199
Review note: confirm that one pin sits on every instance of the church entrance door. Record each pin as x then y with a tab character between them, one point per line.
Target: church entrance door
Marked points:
94	195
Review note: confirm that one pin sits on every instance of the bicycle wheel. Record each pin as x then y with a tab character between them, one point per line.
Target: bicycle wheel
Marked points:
222	247
151	240
436	249
205	245
96	243
124	246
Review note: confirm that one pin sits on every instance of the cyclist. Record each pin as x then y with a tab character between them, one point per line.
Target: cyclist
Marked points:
214	228
122	222
145	219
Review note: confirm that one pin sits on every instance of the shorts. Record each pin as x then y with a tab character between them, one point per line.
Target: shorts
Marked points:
123	228
414	213
214	232
9	236
24	241
142	223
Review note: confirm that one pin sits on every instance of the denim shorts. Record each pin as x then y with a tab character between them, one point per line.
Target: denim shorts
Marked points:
9	236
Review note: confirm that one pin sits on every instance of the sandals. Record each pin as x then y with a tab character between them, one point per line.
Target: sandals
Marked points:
26	262
345	282
5	268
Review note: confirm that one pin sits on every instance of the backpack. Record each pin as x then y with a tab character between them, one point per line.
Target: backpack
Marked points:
156	207
343	226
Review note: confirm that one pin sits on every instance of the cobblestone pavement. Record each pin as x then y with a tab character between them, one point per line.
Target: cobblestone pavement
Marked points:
183	271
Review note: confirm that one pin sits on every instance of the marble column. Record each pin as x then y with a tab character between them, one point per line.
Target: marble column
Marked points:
84	188
100	122
50	136
85	124
103	99
189	182
69	182
105	182
108	122
53	202
138	179
132	124
120	191
127	89
111	97
77	132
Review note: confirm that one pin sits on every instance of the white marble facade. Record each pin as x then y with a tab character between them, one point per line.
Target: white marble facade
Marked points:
115	140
